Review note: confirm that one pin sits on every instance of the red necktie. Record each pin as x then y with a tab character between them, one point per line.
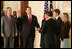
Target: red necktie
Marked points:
9	19
29	19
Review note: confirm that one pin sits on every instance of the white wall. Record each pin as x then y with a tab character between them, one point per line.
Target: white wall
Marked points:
15	5
65	6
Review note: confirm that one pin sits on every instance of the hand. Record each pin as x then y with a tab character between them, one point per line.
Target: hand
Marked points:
38	29
60	39
16	34
2	35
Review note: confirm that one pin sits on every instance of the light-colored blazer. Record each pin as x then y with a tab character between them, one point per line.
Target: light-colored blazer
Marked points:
6	28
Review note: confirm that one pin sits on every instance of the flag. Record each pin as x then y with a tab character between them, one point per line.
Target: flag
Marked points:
51	6
45	8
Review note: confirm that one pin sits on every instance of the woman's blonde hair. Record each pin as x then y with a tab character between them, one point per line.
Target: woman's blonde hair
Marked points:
66	15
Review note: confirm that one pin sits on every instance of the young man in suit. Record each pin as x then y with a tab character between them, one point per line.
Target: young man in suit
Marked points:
56	14
28	29
8	29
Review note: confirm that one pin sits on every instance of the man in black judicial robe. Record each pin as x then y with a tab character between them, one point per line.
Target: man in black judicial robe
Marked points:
28	28
48	31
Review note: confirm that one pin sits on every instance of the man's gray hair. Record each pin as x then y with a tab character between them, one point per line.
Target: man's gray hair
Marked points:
8	8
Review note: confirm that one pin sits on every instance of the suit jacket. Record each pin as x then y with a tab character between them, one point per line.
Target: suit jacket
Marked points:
48	33
59	22
28	30
19	23
6	28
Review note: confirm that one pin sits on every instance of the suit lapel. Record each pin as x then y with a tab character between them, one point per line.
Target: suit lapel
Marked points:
11	19
32	19
58	18
7	19
27	19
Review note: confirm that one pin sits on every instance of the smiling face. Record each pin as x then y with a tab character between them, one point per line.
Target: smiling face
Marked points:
64	18
28	11
55	14
9	11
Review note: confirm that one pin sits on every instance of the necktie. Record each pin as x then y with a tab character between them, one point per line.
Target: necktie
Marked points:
9	19
29	19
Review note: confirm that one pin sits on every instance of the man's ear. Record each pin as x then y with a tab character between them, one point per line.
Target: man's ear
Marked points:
26	11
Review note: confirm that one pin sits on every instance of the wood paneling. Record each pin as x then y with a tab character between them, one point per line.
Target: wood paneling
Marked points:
24	4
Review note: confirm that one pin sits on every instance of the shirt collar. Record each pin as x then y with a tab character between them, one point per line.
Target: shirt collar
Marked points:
8	15
30	16
57	17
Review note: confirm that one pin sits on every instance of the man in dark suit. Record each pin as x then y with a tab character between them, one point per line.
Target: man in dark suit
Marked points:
56	14
19	20
16	39
19	27
8	29
28	30
15	15
48	31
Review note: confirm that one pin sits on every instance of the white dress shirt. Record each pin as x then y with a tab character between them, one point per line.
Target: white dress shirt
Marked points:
30	16
57	17
8	16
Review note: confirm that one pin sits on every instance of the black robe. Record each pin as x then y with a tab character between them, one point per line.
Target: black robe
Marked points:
48	33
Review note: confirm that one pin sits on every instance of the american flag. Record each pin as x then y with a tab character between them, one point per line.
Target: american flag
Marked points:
51	6
45	7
